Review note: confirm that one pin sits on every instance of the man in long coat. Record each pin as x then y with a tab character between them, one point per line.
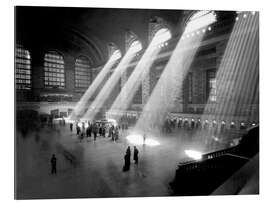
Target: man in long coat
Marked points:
135	155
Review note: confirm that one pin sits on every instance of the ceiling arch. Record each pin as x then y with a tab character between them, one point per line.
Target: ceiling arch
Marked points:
87	30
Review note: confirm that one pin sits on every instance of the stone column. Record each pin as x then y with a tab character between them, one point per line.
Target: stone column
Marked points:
37	70
69	73
124	79
146	88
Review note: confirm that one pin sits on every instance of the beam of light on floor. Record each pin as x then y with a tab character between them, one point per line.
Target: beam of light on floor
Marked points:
137	139
169	86
196	155
127	93
105	92
237	79
81	105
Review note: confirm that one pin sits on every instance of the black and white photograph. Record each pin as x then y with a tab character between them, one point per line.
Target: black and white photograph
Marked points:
135	102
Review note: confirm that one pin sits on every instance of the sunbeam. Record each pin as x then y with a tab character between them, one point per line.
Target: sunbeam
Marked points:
103	95
127	93
81	105
169	86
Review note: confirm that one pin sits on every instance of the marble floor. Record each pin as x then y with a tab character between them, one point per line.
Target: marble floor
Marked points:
96	166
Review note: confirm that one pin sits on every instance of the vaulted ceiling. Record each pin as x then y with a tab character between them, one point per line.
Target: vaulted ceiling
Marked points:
84	30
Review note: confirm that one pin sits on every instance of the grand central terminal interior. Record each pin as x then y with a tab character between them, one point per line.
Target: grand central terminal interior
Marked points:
135	102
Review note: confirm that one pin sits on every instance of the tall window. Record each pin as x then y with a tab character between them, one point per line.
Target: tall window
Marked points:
23	69
211	85
82	72
190	87
54	72
138	96
200	19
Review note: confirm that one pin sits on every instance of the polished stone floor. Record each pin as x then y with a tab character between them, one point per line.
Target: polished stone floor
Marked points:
96	166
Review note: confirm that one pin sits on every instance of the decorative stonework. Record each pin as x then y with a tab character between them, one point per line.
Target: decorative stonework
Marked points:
156	23
145	89
112	47
130	37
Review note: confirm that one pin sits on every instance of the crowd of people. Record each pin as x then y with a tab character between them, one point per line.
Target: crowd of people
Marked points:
126	166
168	124
192	124
88	129
103	129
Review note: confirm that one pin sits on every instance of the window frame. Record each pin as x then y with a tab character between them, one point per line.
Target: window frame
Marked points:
209	92
54	70
82	80
23	69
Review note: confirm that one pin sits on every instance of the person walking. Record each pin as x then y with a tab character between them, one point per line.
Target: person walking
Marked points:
110	131
100	130
103	130
88	131
71	127
128	151
78	129
116	133
83	129
127	162
95	129
53	164
135	155
113	133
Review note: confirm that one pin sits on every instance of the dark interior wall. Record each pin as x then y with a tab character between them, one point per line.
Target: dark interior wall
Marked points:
79	31
84	29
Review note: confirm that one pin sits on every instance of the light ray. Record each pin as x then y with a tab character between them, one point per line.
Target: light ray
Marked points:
103	95
168	87
81	105
237	77
194	154
127	93
138	139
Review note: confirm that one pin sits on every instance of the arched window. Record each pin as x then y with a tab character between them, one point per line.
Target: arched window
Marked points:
114	52
82	72
158	24
161	37
23	69
132	42
200	20
54	72
211	85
